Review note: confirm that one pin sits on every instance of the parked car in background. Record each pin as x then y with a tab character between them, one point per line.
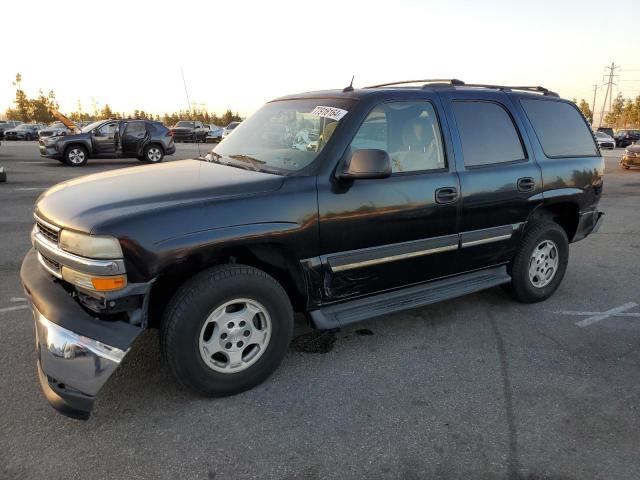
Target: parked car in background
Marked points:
24	131
214	134
631	156
604	140
607	130
340	205
56	129
146	140
625	138
189	131
8	125
229	128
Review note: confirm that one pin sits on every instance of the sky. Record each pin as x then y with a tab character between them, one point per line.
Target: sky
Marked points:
239	54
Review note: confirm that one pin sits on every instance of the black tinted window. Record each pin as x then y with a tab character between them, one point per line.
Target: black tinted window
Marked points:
487	133
560	128
136	128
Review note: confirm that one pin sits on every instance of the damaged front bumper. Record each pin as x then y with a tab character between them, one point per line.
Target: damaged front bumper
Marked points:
77	352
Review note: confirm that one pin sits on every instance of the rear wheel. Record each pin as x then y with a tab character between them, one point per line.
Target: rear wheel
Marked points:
153	154
540	262
227	329
76	156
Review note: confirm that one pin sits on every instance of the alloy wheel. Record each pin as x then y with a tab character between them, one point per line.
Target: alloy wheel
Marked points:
543	264
235	335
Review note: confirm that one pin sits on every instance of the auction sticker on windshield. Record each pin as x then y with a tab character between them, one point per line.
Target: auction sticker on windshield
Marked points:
329	112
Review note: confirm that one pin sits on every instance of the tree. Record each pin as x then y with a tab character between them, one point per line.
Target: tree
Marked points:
106	113
41	106
21	102
586	110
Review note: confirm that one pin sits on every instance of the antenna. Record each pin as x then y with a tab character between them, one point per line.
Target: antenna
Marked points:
350	87
186	92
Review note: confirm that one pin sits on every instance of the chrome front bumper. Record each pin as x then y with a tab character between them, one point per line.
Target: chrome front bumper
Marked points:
72	369
77	352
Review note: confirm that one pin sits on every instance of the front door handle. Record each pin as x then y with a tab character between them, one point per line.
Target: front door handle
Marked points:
526	184
446	195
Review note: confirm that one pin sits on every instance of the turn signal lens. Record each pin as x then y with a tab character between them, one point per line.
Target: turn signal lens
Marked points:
90	282
106	284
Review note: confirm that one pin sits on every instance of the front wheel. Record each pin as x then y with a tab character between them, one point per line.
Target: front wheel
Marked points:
153	154
540	262
76	156
227	329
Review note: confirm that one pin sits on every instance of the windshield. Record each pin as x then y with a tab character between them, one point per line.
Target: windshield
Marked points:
24	126
91	126
601	135
232	125
283	136
185	124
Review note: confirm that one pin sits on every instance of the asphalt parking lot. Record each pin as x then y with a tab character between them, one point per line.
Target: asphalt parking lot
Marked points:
478	388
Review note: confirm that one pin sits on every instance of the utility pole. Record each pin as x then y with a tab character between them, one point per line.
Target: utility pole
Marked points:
593	105
608	92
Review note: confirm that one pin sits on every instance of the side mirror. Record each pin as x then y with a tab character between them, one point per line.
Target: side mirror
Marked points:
367	163
95	132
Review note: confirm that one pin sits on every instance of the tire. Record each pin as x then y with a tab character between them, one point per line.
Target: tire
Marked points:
187	319
543	236
626	167
28	137
153	154
76	156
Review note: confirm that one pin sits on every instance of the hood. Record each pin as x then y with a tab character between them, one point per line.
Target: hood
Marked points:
86	203
635	148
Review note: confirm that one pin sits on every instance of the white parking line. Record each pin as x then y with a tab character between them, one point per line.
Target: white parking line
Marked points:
594	317
17	299
28	189
12	309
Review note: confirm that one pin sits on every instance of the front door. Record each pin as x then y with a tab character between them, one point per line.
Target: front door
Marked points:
381	234
103	139
501	184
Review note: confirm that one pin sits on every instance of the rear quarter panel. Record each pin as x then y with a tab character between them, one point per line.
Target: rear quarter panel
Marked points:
577	179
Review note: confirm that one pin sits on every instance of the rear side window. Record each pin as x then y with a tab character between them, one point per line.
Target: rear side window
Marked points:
136	128
560	128
487	133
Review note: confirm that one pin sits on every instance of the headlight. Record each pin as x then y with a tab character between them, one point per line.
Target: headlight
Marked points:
51	140
90	246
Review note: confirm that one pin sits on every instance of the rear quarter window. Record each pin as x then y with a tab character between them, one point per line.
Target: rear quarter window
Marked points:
560	128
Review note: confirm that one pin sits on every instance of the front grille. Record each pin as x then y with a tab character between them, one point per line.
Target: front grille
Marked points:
49	233
52	264
46	133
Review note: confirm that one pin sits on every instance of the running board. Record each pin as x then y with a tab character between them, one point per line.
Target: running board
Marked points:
353	311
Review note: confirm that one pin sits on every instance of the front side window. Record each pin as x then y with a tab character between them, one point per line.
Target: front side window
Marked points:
408	131
487	133
108	130
284	136
560	128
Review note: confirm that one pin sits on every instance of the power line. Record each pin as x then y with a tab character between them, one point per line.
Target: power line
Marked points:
609	92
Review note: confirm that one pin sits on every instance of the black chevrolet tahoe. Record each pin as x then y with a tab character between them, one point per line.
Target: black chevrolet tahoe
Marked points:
342	205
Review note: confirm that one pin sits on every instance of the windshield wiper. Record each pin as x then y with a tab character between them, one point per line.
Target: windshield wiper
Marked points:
246	158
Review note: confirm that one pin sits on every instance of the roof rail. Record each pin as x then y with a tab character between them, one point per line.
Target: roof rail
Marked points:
450	81
459	83
536	89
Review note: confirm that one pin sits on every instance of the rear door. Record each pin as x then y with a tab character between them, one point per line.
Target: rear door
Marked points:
379	234
500	182
134	136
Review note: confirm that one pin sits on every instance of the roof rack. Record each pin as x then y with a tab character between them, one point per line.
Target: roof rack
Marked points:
454	82
450	81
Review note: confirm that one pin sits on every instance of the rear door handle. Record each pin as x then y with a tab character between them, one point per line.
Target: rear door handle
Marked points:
446	195
526	184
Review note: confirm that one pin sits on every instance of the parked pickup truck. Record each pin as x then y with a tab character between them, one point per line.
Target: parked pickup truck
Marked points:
188	131
342	205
